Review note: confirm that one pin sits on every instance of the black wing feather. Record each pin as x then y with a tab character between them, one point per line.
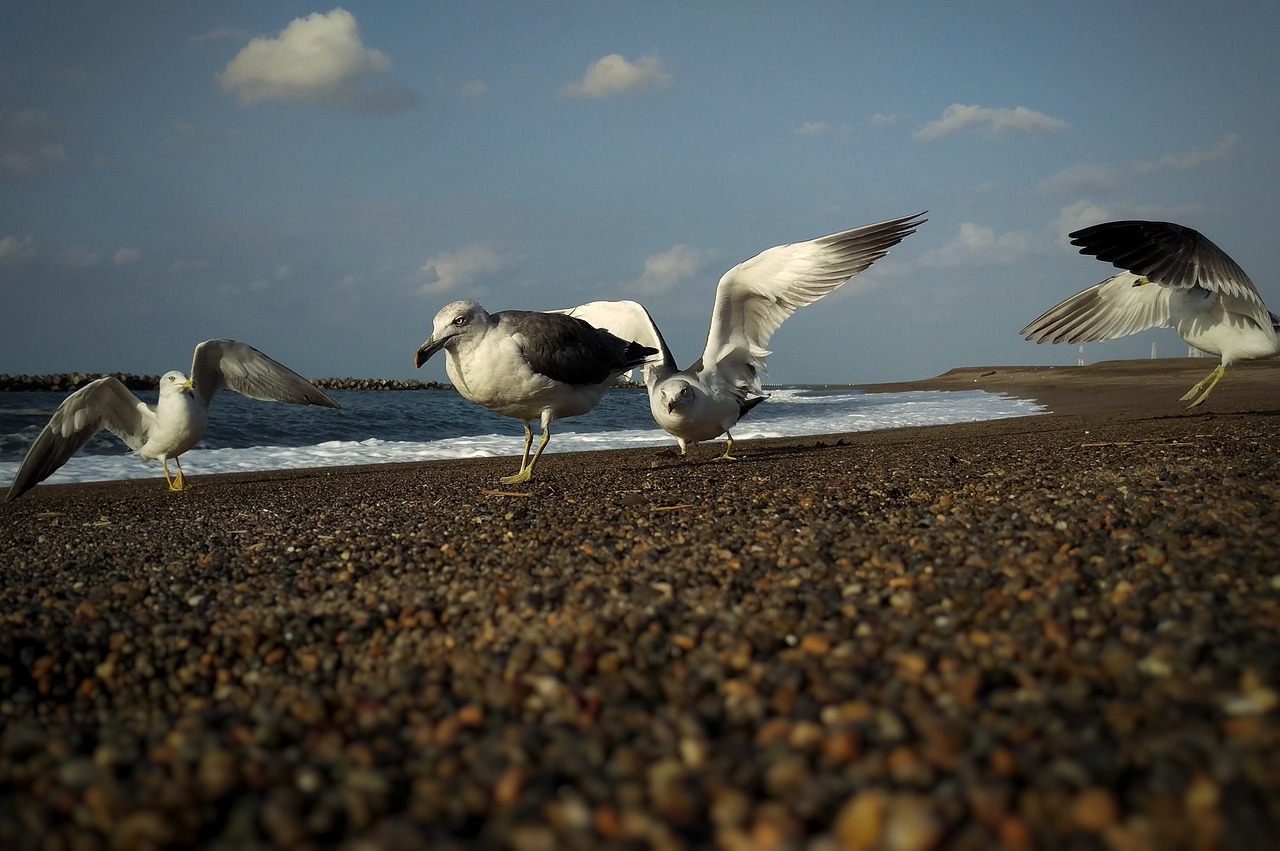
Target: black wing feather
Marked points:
570	350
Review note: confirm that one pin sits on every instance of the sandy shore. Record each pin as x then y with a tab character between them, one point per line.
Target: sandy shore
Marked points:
1047	632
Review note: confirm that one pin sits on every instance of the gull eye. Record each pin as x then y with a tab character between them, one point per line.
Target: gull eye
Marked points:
459	320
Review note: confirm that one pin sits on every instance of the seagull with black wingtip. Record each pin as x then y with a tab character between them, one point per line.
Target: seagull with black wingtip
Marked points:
752	300
528	365
1173	277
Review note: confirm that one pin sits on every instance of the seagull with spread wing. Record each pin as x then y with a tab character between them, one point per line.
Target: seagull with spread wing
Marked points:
177	421
752	301
1173	277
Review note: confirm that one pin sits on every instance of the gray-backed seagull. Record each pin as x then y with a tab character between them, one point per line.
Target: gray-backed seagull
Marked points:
752	300
177	421
527	365
1173	277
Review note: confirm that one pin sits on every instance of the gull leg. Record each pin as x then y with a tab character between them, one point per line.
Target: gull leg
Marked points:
728	449
529	442
1212	380
179	482
1190	394
524	458
526	472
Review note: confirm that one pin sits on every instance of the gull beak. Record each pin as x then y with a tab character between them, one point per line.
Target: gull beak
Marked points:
671	405
188	385
429	348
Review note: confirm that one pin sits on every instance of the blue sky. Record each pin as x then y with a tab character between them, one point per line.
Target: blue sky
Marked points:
318	181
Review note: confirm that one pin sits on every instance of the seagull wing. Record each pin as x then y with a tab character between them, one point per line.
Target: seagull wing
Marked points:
1175	256
1121	305
105	403
244	369
629	320
568	349
755	297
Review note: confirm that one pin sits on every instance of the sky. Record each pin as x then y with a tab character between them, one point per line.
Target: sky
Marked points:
319	180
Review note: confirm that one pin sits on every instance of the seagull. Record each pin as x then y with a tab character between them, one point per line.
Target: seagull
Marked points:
1173	277
752	300
177	421
528	365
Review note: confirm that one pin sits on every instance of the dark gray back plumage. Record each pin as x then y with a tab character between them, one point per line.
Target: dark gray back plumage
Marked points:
569	350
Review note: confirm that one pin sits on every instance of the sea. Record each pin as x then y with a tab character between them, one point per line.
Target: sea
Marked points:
389	426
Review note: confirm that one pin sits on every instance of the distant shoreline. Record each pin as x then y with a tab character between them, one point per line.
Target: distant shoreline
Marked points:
1064	389
67	382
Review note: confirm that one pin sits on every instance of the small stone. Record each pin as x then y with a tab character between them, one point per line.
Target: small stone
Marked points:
471	715
1015	834
533	837
860	822
1095	810
912	824
1202	794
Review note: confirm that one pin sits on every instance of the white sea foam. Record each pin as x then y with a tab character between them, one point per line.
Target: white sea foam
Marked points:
788	413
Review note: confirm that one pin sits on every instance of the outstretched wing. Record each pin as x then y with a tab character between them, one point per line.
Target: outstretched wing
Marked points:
629	320
244	369
1121	305
755	297
1167	253
105	403
1176	256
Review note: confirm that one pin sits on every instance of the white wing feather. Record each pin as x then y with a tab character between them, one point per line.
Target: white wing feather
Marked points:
242	368
1121	305
105	403
755	297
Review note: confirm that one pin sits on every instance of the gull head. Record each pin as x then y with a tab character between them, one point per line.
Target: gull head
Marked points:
676	394
175	382
456	320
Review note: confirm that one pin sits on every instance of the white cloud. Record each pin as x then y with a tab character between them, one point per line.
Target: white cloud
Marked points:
615	75
1191	159
319	59
813	128
17	249
126	257
978	245
282	273
958	116
31	143
1072	217
452	269
78	256
663	272
474	89
1081	177
880	119
1094	177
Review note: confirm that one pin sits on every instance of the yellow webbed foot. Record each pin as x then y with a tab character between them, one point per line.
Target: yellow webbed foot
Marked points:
525	474
178	482
728	449
1211	380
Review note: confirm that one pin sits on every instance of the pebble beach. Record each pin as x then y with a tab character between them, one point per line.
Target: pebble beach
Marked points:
1059	631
